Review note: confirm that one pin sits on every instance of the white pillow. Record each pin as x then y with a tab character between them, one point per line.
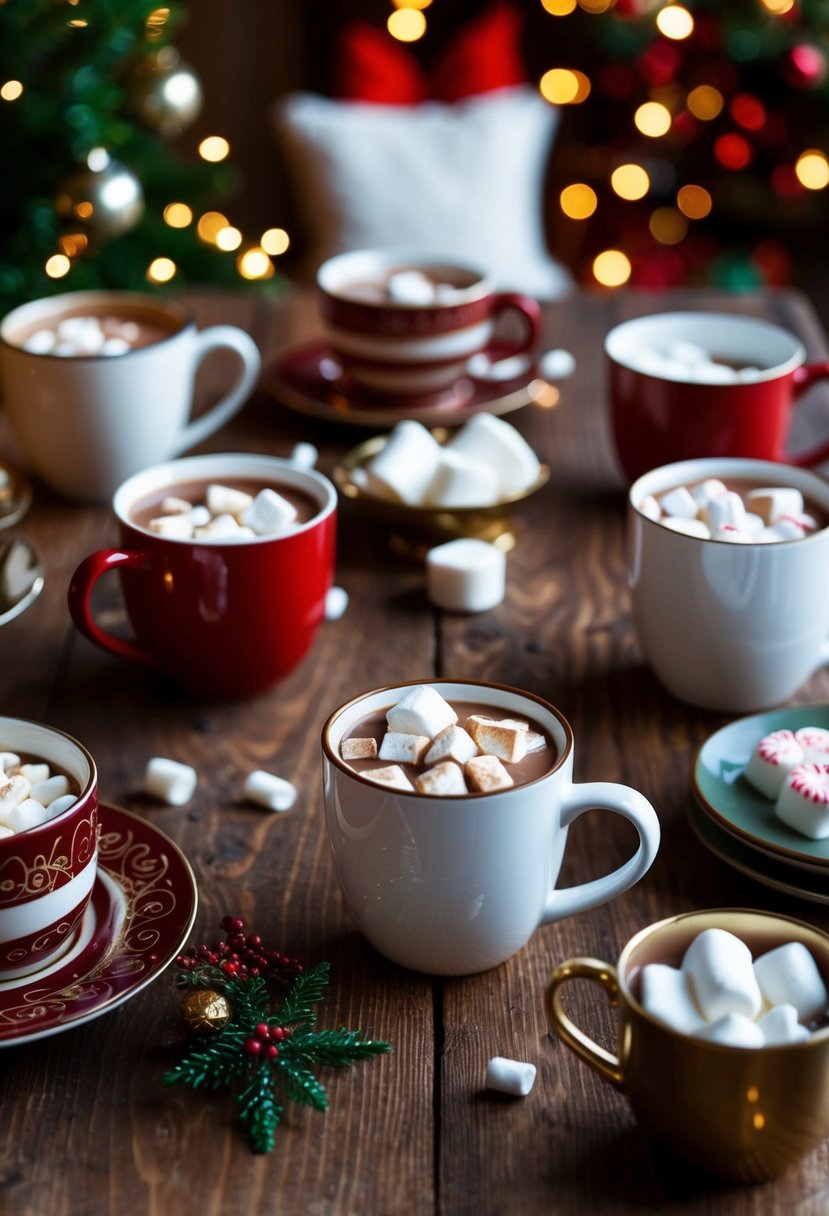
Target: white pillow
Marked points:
464	180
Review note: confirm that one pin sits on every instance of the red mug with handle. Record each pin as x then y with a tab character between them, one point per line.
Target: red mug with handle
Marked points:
224	618
690	384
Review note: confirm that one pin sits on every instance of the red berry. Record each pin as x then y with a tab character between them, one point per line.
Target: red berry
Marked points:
254	940
263	1031
253	1047
272	1052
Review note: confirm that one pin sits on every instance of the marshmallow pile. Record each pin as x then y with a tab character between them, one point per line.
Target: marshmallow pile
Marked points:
415	287
423	731
792	769
30	794
483	463
226	514
711	511
85	336
720	994
687	361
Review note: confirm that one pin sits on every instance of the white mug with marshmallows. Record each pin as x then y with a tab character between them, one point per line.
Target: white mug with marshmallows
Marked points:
99	385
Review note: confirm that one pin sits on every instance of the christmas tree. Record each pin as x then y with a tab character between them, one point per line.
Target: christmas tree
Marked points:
91	96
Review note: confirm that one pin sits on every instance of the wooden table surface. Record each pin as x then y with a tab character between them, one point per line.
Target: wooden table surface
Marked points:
88	1127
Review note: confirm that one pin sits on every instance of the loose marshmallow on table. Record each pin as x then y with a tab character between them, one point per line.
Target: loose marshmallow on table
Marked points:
493	441
466	575
268	790
170	781
788	975
721	975
336	602
404	467
304	455
421	710
803	801
772	760
510	1076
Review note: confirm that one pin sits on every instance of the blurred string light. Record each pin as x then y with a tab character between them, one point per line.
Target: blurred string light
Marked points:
214	148
275	241
254	263
11	90
630	182
812	169
161	270
612	268
411	3
694	201
564	86
578	201
559	8
228	239
58	265
705	102
675	22
178	215
406	24
652	119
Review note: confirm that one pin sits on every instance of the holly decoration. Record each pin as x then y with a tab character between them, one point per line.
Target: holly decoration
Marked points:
263	1054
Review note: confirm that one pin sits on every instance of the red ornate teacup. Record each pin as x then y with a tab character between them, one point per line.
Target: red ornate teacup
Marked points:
225	619
47	873
395	347
661	411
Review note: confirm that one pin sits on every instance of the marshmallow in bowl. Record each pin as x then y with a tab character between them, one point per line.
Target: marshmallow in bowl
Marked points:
722	995
495	442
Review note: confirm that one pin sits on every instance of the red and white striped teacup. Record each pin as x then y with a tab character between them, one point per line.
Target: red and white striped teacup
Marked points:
47	873
396	338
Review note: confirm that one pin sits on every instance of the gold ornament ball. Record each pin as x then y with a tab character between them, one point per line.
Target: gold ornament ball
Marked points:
165	93
103	202
205	1011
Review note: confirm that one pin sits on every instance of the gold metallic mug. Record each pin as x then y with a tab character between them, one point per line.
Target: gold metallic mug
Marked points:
743	1113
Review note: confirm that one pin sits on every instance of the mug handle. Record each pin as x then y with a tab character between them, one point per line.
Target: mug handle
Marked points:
529	310
80	606
803	379
603	974
221	337
622	800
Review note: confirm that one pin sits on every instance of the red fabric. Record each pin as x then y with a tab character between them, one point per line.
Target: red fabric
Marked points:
485	54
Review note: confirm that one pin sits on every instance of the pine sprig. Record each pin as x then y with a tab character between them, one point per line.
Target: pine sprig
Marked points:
265	1055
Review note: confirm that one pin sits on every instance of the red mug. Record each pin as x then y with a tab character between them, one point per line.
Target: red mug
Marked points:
664	408
418	342
225	619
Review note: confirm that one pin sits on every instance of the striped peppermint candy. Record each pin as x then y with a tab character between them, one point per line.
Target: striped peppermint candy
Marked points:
803	803
815	743
772	760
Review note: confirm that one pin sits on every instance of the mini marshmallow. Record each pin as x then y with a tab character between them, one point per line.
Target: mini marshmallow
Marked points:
304	455
815	743
405	465
807	523
678	503
177	527
789	975
60	805
5	831
732	1030
731	535
199	516
421	711
713	373
392	776
40	342
27	814
510	1076
691	527
406	749
47	791
268	790
688	352
336	603
13	792
115	346
773	501
175	506
443	779
451	743
729	508
170	781
497	443
712	487
666	994
782	529
355	748
485	774
466	575
410	287
8	760
780	1025
34	772
502	739
803	801
753	524
650	507
225	500
772	760
459	481
268	514
221	527
721	975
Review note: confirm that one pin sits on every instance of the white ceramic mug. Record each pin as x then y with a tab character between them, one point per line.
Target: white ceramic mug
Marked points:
456	885
729	627
87	422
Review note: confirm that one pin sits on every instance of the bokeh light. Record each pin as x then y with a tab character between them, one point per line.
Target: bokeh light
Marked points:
11	90
652	119
406	24
812	169
611	268
210	225
254	263
630	182
667	225
564	86
228	238
748	112
705	102
214	148
694	201
778	7
675	22
57	266
178	215
578	201
275	241
161	270
559	8
732	151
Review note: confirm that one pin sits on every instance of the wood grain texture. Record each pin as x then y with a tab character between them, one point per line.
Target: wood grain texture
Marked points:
89	1130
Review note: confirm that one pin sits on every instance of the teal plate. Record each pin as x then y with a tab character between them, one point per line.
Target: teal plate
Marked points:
732	802
762	868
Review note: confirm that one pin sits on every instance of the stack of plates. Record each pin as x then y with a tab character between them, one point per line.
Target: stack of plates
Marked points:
738	824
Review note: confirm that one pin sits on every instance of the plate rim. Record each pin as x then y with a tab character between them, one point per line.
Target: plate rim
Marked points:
791	853
113	950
